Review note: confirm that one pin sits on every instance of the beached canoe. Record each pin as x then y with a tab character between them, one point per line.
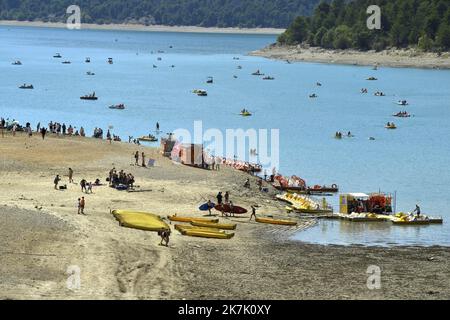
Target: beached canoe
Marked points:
205	234
227	209
276	221
189	219
223	226
402	222
183	227
140	220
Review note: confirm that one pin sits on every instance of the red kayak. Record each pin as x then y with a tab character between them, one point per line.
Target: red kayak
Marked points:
226	208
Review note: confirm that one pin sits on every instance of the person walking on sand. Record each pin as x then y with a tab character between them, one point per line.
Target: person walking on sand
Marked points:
227	197
165	237
83	185
136	158
89	188
56	181
219	198
70	175
143	160
43	133
81	205
253	213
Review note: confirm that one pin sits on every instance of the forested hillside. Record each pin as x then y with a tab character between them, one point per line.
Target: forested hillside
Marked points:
404	23
207	13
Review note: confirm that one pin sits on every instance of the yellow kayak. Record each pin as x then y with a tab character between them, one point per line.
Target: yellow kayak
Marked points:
208	234
410	223
276	221
183	228
223	226
190	219
140	220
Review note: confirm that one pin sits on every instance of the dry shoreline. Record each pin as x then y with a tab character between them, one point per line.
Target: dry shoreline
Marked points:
143	28
42	235
388	58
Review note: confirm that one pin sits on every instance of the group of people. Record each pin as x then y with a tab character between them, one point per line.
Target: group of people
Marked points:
120	178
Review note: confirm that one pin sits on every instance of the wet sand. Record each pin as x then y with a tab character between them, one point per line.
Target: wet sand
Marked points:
42	236
390	58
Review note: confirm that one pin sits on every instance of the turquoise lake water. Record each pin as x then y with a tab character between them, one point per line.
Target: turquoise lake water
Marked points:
412	160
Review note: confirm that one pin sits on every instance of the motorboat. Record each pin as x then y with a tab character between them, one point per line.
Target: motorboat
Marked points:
402	103
257	73
390	126
312	96
372	79
110	60
89	97
210	80
402	115
26	86
89	73
118	106
66	62
88	60
57	56
17	63
200	92
268	78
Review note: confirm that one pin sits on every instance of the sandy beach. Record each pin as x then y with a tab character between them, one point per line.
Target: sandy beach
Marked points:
143	28
42	236
390	58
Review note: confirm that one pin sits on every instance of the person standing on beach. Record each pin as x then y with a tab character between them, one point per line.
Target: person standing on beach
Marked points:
227	197
14	128
81	205
56	181
83	185
43	133
136	158
143	160
70	175
253	213
219	198
210	206
38	128
89	188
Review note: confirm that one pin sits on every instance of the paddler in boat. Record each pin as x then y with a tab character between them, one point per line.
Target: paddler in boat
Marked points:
417	211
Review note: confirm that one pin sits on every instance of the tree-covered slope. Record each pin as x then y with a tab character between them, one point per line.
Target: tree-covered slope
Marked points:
404	23
207	13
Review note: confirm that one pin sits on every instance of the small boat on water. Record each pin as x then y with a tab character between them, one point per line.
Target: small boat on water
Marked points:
390	126
89	97
26	86
17	63
66	62
88	60
149	138
239	67
89	73
268	78
118	106
200	92
245	113
110	61
371	79
313	96
402	103
401	114
57	56
257	73
210	80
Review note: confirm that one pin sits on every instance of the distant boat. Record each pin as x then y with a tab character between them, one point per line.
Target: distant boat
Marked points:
25	86
89	97
372	79
110	60
268	78
245	113
149	138
89	73
66	62
57	56
88	60
118	106
17	63
402	103
210	80
312	96
257	73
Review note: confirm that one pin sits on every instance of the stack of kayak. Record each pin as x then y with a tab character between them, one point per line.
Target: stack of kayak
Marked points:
304	204
203	227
